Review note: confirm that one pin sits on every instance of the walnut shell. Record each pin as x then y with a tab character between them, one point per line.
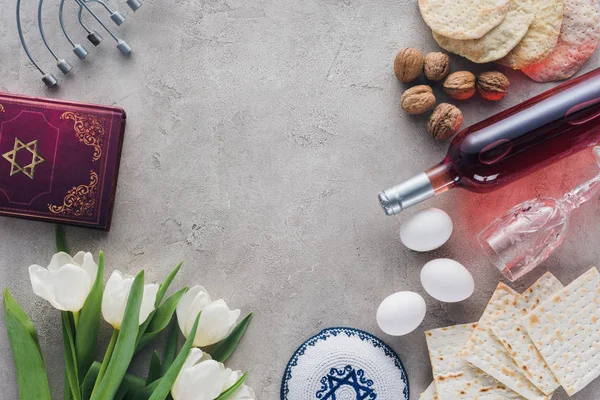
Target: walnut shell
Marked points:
492	85
418	99
444	122
460	85
408	64
436	66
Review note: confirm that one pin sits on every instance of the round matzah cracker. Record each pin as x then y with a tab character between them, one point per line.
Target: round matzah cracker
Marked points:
499	41
463	19
578	39
541	37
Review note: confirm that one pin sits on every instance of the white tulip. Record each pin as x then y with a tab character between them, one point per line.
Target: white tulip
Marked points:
67	281
115	298
202	378
216	322
244	392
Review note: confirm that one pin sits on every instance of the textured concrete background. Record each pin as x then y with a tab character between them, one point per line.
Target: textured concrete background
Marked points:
259	133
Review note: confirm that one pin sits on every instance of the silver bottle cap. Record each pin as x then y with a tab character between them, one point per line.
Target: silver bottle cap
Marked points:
407	194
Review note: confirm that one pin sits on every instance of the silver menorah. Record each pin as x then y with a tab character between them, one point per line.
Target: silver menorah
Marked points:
80	51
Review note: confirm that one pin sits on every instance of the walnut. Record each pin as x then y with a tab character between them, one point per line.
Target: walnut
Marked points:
460	85
418	99
492	85
437	66
408	65
444	122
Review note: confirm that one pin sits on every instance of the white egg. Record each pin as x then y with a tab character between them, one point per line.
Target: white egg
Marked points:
401	313
426	230
447	280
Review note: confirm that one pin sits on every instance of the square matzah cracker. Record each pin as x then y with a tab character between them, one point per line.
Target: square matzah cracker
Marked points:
566	331
486	352
508	329
430	393
503	296
453	376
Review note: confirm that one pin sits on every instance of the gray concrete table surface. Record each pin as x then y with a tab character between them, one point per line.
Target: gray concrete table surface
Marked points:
259	134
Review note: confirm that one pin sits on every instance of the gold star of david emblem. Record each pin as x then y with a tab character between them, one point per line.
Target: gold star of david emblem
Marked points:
29	169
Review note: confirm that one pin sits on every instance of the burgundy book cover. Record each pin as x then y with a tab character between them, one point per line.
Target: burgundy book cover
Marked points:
59	160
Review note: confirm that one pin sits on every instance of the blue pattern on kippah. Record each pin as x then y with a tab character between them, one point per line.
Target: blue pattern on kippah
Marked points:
362	381
348	376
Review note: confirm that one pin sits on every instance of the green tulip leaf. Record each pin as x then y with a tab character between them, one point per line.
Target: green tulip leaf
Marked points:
131	383
160	320
222	350
142	331
234	388
155	370
70	356
171	347
67	388
145	393
107	356
166	383
88	382
29	365
162	290
86	335
61	241
121	393
144	340
125	346
164	313
11	304
124	390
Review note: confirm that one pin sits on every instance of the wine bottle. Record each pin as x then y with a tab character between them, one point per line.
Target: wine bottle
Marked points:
510	145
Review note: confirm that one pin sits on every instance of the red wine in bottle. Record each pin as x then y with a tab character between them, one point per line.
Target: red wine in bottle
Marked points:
510	145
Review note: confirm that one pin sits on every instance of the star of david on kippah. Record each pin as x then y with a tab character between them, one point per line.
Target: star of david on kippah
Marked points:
347	378
29	169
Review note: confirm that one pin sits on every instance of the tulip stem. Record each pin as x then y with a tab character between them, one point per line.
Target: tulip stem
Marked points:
76	318
107	356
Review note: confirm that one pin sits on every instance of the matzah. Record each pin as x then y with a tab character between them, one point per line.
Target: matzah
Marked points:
541	36
463	19
430	393
508	329
566	331
454	377
503	297
578	39
486	352
497	42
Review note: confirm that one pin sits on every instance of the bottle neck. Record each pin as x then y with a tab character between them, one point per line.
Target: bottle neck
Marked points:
441	177
417	189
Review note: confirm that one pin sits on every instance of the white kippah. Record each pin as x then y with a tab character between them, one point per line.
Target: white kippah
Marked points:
344	364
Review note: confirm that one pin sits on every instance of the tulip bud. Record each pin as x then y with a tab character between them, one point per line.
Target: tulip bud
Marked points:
202	378
115	298
216	322
67	281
